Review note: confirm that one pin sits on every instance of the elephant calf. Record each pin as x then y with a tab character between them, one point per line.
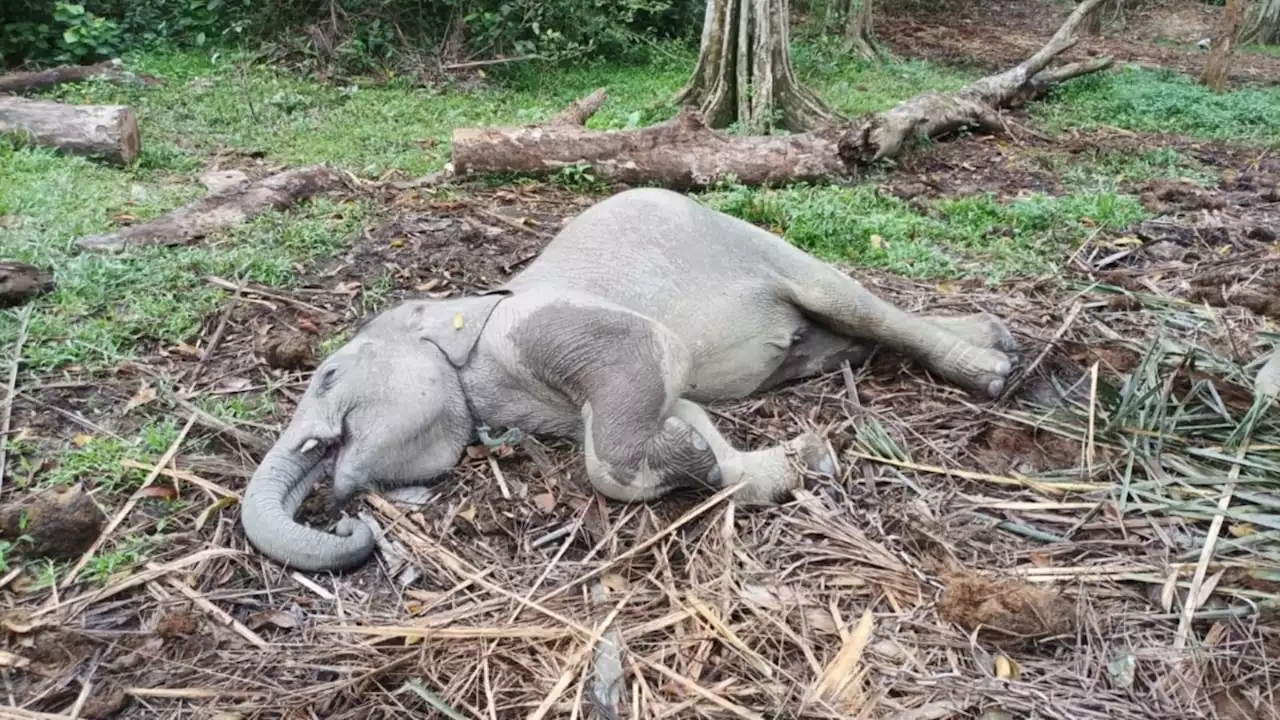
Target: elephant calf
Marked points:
643	306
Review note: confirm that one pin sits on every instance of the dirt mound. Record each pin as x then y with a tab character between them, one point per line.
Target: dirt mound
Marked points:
1025	451
1002	609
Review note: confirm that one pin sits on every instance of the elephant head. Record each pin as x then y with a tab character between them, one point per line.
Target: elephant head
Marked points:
388	408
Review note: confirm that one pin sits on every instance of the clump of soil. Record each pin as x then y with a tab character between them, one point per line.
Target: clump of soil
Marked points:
1026	451
19	282
61	522
1165	196
1003	609
294	351
104	704
1239	285
177	624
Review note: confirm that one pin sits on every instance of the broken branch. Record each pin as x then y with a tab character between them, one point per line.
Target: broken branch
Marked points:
219	210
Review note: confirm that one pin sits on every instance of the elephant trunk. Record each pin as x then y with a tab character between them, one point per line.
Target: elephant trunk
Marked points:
275	493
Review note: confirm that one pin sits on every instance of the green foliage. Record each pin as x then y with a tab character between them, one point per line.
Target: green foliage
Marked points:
350	35
976	236
1162	101
67	34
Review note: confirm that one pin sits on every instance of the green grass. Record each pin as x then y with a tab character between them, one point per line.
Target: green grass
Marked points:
975	236
1108	170
1158	101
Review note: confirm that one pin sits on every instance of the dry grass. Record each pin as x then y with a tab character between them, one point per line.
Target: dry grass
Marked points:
1034	555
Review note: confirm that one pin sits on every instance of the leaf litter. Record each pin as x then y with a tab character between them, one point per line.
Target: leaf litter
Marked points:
1038	556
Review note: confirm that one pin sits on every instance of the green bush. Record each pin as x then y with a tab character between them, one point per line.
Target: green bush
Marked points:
356	35
67	33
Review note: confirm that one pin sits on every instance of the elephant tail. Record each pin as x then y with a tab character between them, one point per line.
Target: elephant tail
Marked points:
275	493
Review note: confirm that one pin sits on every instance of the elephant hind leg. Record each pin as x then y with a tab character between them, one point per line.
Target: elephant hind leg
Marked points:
846	307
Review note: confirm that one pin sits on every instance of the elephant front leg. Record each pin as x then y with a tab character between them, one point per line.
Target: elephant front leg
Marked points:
639	459
688	451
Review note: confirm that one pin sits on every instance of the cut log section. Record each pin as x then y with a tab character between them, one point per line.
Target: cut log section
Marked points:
22	82
106	131
683	153
230	206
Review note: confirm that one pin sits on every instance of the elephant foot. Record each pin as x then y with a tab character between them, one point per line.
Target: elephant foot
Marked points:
814	454
982	330
412	496
982	360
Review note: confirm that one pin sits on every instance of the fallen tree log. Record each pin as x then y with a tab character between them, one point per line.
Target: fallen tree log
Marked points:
683	153
106	131
22	82
20	281
220	209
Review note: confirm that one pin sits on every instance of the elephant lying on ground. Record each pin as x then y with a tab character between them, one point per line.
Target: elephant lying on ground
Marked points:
643	306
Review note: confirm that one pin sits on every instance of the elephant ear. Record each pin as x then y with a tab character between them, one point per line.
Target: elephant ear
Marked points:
455	325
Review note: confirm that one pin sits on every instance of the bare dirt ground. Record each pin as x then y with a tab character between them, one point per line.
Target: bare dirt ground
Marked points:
973	558
999	35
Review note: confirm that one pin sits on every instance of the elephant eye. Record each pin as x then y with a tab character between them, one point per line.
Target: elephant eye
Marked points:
327	379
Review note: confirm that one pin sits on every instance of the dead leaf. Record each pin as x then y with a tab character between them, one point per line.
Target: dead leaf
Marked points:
546	502
10	660
1241	530
186	349
223	502
1006	668
124	217
146	394
468	514
307	326
81	439
878	242
163	492
235	383
1206	590
276	618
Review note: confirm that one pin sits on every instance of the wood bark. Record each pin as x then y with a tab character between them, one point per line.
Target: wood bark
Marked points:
859	39
218	210
20	281
1262	23
106	131
22	82
744	74
686	153
1226	41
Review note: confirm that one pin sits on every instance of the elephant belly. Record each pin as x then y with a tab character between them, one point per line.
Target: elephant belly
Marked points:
736	360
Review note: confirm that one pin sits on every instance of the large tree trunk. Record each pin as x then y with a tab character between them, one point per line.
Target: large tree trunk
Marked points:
219	209
858	36
744	74
106	131
684	153
21	82
1226	41
1262	23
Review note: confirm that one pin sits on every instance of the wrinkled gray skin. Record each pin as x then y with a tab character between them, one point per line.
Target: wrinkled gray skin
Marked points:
644	306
